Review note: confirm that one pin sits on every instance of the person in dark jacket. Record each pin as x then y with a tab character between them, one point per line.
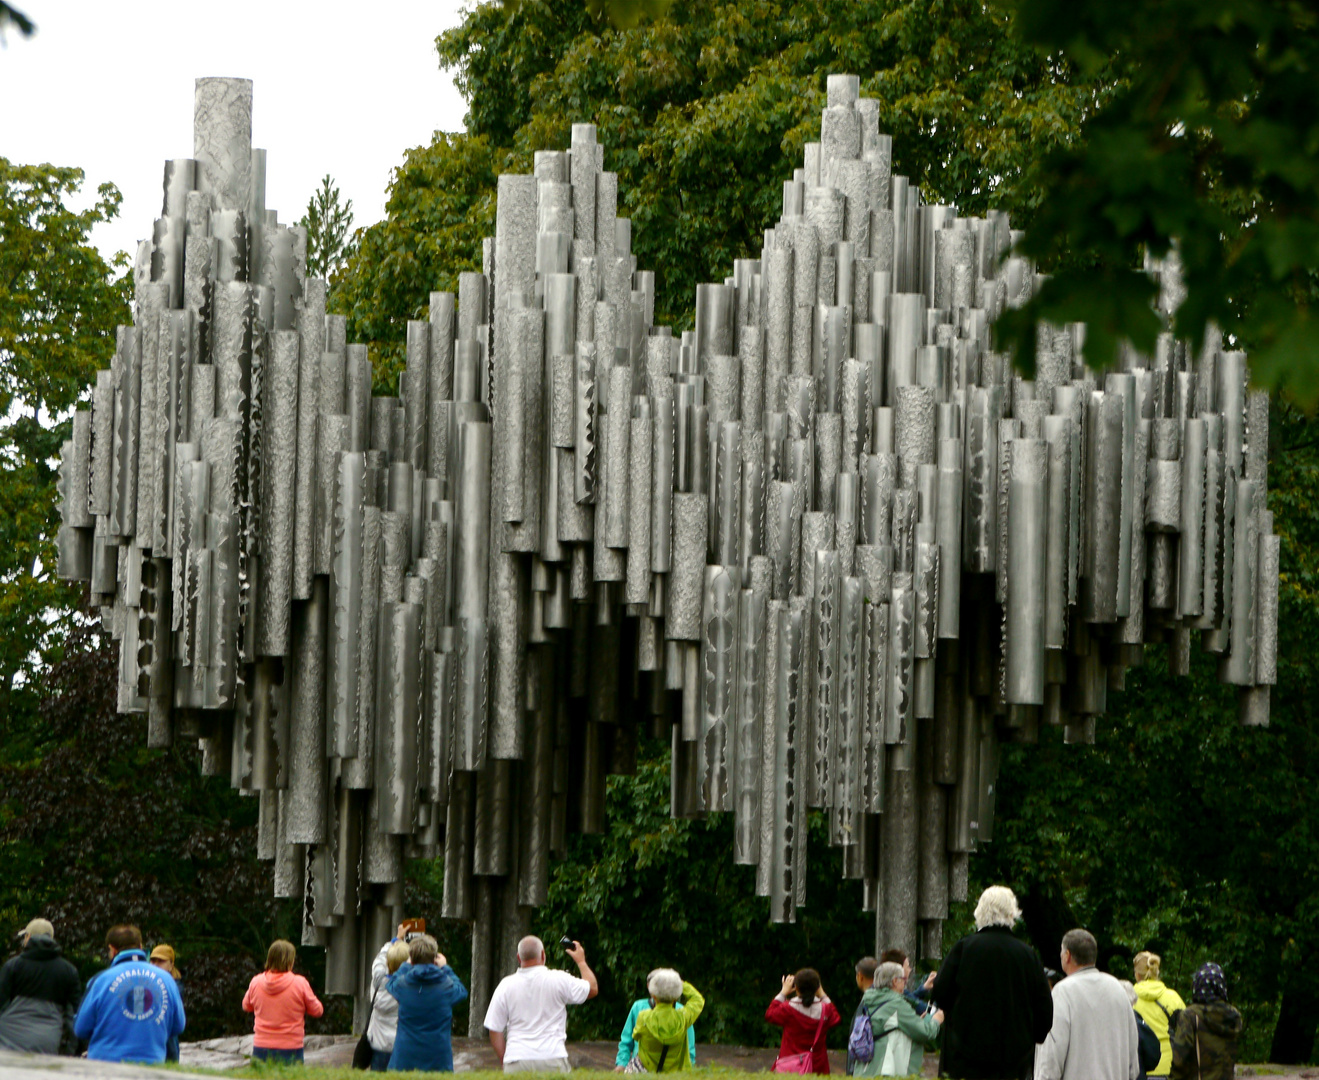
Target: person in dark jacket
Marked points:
426	989
39	995
1147	1042
1207	1033
995	996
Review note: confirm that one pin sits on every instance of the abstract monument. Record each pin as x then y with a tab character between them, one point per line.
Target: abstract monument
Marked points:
827	542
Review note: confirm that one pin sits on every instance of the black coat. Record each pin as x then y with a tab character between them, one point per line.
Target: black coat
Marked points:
1147	1046
39	994
997	1006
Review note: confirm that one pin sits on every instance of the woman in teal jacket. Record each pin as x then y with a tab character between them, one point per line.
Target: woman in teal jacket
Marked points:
901	1036
627	1045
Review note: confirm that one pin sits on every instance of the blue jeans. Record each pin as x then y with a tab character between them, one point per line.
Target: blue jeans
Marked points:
280	1057
380	1060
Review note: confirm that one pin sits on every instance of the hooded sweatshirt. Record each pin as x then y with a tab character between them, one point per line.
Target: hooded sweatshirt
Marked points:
1155	1004
901	1036
426	995
665	1026
627	1044
39	992
130	1011
281	1001
1216	1030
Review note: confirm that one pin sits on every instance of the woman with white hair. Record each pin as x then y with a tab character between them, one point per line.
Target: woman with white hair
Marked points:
901	1037
661	1031
994	994
627	1043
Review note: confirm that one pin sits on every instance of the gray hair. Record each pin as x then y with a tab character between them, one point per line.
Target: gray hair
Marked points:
664	985
1081	947
1131	990
422	949
887	972
531	949
997	907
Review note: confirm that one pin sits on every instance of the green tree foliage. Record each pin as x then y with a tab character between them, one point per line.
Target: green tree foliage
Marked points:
11	16
59	305
703	114
327	222
441	203
1210	140
98	830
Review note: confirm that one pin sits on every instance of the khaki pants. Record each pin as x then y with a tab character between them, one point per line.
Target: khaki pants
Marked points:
539	1065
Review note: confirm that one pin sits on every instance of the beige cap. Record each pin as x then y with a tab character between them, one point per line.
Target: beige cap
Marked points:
165	954
37	927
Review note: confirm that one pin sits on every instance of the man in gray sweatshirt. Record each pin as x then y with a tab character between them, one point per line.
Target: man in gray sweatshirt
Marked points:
1094	1030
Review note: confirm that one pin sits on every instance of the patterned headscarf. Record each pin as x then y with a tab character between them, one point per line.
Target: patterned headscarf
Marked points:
1209	985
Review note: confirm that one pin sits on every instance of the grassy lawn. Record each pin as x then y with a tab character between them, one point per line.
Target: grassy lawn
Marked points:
344	1072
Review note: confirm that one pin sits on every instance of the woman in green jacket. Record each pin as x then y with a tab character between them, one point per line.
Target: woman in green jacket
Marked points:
661	1032
1156	1005
901	1037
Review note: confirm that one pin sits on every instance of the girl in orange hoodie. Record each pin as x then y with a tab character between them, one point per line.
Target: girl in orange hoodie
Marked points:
281	1001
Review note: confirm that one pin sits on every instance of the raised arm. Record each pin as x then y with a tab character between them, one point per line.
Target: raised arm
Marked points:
692	1004
578	955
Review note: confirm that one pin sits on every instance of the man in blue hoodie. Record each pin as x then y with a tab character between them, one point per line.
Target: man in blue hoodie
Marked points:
130	1010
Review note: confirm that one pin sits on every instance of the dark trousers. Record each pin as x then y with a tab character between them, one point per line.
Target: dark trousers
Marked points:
284	1057
380	1060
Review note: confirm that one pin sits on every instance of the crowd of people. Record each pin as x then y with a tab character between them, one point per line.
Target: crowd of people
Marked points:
992	1010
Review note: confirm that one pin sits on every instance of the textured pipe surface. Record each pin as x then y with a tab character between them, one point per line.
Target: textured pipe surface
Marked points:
829	518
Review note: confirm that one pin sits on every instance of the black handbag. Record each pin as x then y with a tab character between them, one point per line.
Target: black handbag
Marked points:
362	1051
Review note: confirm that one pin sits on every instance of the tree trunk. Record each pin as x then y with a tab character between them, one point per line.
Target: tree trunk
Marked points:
1298	1019
1048	917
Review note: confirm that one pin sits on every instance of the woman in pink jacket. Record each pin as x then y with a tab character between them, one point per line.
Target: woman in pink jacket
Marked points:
282	1002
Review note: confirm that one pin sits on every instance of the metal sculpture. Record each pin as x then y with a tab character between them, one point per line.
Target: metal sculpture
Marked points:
827	542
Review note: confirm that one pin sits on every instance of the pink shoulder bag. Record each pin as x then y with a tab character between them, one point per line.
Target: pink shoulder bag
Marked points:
800	1063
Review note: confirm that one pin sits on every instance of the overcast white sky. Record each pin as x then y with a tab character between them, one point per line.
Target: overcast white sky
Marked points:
340	88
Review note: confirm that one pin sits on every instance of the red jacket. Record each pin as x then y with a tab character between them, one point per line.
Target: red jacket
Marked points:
281	1001
799	1030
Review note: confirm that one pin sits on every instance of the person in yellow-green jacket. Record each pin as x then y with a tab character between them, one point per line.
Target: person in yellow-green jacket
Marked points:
1156	1004
661	1032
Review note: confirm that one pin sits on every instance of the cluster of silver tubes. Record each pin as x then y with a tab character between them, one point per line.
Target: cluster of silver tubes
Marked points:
827	543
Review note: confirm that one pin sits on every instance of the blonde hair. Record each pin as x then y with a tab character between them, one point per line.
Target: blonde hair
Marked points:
398	952
280	956
1145	966
997	907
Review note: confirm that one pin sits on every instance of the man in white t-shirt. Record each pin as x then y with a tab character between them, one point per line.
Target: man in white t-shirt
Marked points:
528	1013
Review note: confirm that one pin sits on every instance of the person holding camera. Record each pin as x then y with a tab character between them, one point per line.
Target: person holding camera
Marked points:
805	1013
383	1026
527	1018
426	990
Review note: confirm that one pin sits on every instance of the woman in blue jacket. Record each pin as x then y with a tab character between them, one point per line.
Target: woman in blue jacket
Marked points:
426	990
